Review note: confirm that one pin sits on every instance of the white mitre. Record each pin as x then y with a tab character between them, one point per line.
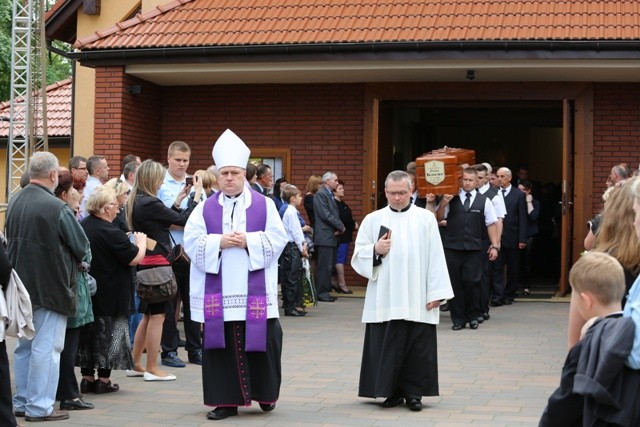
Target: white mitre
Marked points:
230	150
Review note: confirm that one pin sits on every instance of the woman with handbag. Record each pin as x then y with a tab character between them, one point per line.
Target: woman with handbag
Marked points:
104	344
147	213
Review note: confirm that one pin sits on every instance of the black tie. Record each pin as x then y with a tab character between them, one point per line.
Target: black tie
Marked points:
504	193
467	202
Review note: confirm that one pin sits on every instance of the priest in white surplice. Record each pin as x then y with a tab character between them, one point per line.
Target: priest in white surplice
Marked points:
408	280
234	240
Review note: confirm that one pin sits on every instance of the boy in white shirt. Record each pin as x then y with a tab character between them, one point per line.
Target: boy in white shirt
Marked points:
291	258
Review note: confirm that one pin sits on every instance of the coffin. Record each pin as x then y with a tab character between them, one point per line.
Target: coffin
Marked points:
439	171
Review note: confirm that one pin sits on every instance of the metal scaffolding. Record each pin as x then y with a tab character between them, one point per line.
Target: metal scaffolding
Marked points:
27	120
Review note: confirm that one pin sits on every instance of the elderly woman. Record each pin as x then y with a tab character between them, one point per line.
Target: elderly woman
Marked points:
68	392
104	344
147	213
122	190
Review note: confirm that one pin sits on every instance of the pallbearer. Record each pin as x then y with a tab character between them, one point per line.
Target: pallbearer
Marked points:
234	240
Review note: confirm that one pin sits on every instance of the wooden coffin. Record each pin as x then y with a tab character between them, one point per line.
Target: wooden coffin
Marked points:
439	171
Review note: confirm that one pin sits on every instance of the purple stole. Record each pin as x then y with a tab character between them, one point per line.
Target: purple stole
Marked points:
256	323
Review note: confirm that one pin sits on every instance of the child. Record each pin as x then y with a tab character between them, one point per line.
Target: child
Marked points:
596	387
291	258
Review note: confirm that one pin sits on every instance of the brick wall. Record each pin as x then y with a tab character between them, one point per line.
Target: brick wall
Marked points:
616	131
124	122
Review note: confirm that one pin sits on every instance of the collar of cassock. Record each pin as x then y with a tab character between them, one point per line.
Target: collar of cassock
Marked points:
401	210
233	197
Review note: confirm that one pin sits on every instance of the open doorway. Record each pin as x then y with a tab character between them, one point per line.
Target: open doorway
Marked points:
507	134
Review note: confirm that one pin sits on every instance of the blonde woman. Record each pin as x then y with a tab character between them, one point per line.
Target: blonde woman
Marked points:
615	236
104	344
146	213
313	185
122	190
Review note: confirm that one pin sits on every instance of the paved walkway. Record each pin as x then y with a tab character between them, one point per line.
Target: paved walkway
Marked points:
498	375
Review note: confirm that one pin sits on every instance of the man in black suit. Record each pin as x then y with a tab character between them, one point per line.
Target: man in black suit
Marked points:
513	239
327	227
264	179
470	215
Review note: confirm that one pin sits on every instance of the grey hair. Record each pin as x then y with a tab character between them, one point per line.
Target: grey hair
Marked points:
506	171
327	176
41	164
634	184
396	176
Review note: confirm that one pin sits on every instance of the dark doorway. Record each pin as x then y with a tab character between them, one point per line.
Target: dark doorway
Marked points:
501	133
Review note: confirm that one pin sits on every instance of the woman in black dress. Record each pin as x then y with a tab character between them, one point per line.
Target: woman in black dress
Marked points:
104	344
344	240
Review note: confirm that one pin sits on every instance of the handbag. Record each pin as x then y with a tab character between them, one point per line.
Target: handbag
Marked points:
178	257
156	284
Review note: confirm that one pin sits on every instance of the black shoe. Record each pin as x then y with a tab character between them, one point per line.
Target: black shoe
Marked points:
508	301
496	302
444	307
327	299
473	324
77	404
486	316
195	357
294	313
87	386
458	326
19	414
480	319
102	387
222	412
171	359
414	404
268	407
393	401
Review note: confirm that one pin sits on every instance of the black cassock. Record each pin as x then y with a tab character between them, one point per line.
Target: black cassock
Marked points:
234	377
399	358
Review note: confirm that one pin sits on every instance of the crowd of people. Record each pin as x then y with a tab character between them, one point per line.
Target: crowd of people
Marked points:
110	229
246	238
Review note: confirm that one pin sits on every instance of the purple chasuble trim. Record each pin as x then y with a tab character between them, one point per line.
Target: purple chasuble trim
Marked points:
256	317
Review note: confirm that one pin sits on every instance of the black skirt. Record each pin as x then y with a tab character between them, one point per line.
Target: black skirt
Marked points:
234	377
399	358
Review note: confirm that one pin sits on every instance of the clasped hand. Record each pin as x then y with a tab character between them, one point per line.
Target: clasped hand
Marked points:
233	240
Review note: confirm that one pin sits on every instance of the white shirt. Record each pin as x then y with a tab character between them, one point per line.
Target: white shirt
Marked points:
497	201
92	184
292	226
489	212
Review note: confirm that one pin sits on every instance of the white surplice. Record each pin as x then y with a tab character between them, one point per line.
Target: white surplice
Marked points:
263	250
413	273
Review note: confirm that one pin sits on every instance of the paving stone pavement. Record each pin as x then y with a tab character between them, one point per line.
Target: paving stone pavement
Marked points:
498	375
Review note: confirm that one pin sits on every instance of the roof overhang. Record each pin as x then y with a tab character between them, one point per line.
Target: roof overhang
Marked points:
377	62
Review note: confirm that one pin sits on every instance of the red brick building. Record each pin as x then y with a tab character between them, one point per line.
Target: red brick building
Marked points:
363	87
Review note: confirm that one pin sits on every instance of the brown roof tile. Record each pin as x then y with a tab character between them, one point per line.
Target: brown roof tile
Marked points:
58	110
255	22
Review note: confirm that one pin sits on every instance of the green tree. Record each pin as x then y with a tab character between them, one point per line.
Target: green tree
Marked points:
58	67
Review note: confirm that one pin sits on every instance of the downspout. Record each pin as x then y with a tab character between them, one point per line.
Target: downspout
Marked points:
52	48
